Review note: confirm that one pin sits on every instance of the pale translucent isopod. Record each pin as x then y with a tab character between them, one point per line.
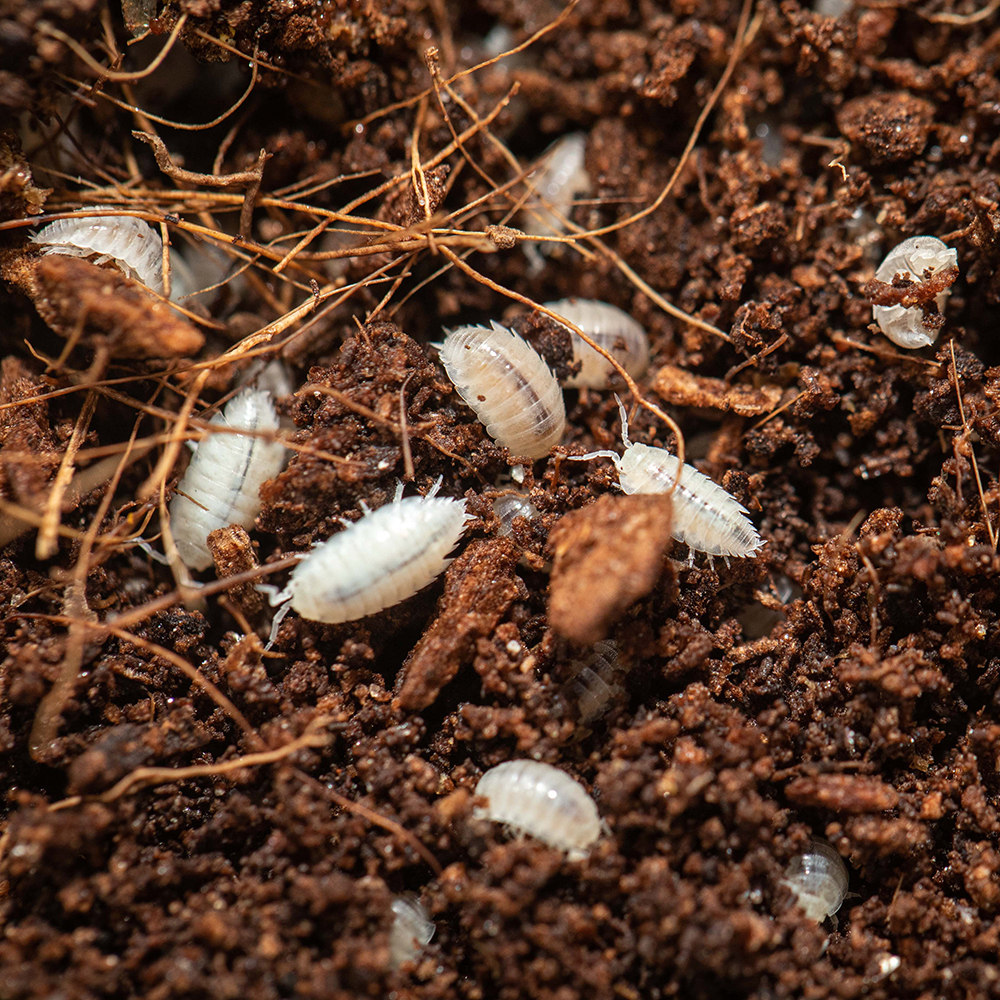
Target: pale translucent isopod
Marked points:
614	330
595	685
411	931
538	799
512	505
818	878
504	379
222	484
705	517
557	183
915	258
129	243
377	562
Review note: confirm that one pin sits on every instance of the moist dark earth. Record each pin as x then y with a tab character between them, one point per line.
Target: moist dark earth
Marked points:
842	684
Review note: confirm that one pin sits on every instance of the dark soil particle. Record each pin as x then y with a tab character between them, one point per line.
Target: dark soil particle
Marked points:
213	818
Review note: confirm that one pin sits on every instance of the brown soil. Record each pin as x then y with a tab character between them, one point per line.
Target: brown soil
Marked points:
842	684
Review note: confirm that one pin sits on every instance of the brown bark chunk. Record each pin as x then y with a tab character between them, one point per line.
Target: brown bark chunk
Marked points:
479	588
681	388
101	307
845	793
606	556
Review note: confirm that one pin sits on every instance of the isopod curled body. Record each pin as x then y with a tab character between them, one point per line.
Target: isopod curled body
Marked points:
222	484
411	931
508	384
130	244
377	562
538	799
705	517
617	332
818	878
917	258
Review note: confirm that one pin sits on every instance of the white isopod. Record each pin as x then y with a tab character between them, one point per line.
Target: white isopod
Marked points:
915	258
377	562
614	330
538	799
510	506
705	517
557	183
134	247
818	878
594	686
222	484
411	931
505	380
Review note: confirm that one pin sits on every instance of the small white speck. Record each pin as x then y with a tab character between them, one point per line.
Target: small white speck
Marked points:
383	465
513	647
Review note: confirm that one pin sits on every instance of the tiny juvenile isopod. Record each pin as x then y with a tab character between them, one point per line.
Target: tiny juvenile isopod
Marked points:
538	799
594	686
917	258
377	562
222	484
705	517
617	332
556	183
818	878
411	931
510	506
510	387
133	246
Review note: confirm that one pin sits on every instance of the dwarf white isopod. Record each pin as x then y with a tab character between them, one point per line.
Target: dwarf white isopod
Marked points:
595	686
504	379
705	517
130	244
538	799
411	931
557	183
222	484
377	562
818	878
614	330
915	258
512	505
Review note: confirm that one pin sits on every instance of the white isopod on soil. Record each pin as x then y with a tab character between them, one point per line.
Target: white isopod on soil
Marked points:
917	258
222	484
506	381
617	332
510	506
705	517
818	878
132	245
377	562
411	931
594	686
556	183
538	799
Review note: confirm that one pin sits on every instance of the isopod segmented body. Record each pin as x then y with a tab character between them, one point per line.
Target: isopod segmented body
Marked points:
504	379
411	931
222	484
557	182
705	517
617	332
538	799
133	246
377	562
917	258
594	686
510	506
818	878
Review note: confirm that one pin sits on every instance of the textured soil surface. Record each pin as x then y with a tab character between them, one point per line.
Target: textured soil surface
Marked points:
845	683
